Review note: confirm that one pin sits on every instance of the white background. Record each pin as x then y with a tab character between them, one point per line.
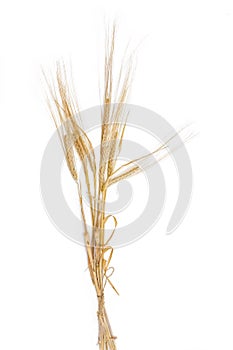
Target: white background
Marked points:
176	291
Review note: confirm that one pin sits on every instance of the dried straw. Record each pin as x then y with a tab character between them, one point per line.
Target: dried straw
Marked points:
98	177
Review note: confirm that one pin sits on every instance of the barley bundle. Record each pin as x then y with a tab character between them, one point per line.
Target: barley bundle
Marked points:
98	176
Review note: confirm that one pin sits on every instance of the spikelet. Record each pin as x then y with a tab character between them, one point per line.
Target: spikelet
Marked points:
70	157
125	175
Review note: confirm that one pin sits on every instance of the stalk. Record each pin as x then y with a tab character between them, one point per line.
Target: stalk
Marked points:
106	339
